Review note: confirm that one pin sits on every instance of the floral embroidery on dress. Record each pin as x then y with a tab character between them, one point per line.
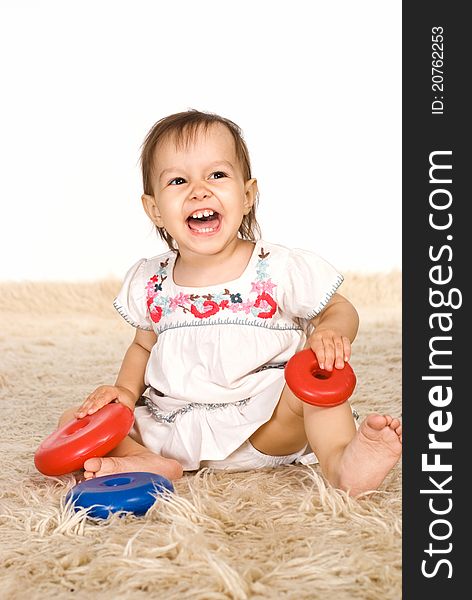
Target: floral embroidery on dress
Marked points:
207	305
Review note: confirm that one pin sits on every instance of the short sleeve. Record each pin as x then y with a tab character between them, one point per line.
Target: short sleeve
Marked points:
307	284
131	299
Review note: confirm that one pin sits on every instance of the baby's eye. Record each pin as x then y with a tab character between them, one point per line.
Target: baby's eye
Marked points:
219	173
176	179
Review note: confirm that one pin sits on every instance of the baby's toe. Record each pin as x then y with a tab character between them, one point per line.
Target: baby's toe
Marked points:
399	431
93	464
376	421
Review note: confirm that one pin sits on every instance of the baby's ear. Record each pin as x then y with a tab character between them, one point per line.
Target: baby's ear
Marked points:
152	211
250	190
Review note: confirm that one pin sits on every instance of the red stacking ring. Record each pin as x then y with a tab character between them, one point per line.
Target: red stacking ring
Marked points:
66	449
317	386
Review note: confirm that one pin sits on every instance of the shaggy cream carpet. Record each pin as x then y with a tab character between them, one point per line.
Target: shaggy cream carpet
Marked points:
278	534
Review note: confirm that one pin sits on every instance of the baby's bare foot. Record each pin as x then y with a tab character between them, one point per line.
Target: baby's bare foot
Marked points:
147	461
371	454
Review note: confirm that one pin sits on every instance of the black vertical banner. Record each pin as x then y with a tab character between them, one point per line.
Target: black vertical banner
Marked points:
437	236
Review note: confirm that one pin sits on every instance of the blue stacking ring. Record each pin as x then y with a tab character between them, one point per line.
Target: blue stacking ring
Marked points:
131	492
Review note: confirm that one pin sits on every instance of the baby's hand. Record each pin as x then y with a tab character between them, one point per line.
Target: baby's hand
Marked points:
103	395
331	348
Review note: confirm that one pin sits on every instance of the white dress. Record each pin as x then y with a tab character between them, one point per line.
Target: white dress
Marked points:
215	374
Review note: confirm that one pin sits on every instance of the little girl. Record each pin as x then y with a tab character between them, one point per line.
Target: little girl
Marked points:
217	317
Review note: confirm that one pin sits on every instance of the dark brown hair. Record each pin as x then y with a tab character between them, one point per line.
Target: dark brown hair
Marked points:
185	127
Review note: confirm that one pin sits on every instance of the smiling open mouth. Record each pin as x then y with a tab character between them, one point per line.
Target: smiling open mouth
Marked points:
206	221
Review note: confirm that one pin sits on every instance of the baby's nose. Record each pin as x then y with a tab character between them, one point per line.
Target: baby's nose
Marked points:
200	192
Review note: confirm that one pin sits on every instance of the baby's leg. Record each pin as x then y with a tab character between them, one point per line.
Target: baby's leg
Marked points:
284	433
127	456
351	460
362	462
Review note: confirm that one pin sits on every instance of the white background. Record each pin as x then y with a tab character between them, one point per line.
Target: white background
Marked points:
315	87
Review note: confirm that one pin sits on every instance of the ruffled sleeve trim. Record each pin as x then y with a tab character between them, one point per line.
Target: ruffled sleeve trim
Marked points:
131	299
329	294
122	312
307	282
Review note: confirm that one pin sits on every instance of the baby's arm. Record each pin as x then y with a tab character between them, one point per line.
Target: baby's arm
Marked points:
129	384
335	328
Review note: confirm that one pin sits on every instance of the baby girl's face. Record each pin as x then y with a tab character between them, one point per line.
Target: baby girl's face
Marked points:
200	195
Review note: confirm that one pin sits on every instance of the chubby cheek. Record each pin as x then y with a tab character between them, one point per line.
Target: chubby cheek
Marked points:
170	213
174	223
233	203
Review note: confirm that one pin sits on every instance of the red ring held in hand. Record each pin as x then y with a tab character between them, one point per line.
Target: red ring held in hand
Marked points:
317	386
66	449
